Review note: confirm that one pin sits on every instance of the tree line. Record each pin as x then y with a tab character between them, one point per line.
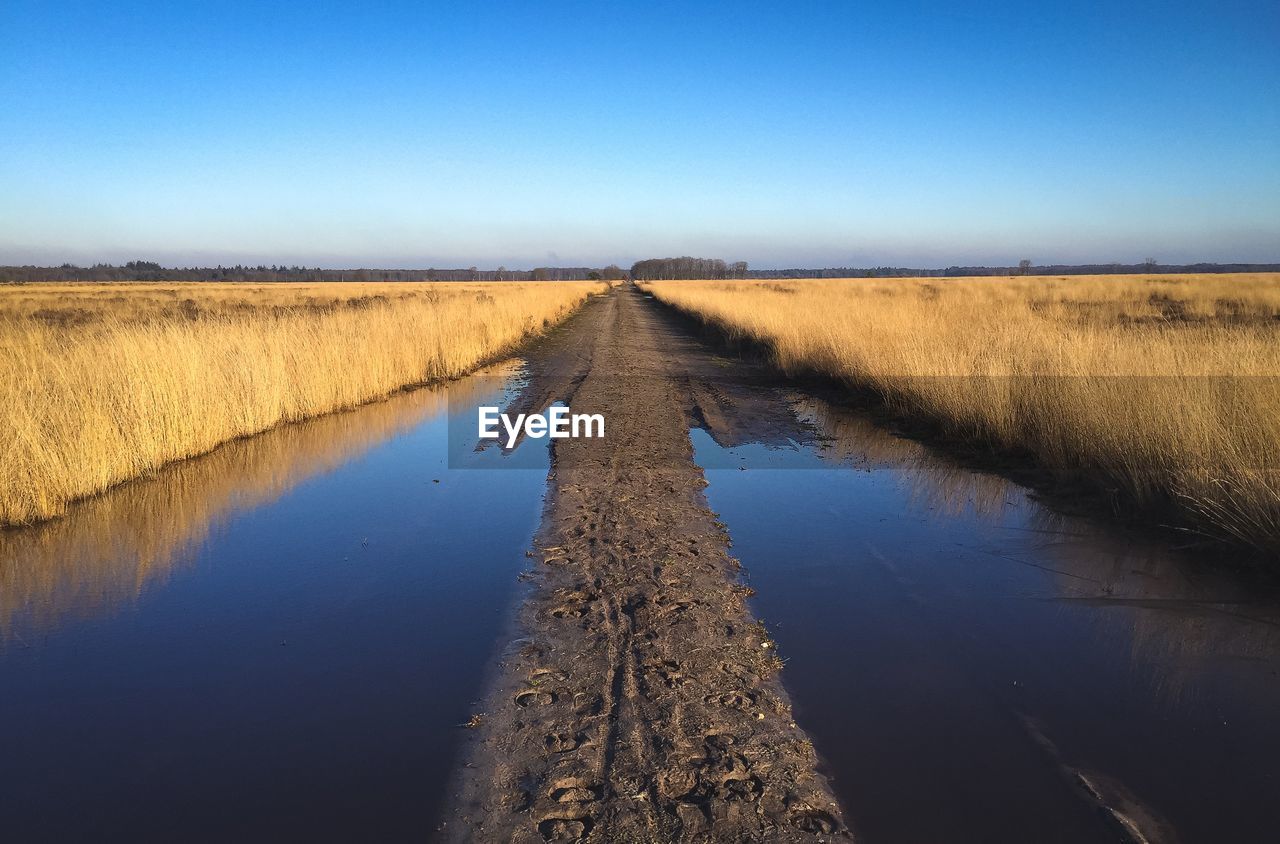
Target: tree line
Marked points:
654	269
152	271
1023	268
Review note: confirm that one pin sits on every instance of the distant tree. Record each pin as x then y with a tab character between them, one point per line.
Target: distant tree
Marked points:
613	272
684	267
1150	265
1024	266
593	276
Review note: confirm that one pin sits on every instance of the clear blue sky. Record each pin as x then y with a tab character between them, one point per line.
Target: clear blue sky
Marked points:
784	134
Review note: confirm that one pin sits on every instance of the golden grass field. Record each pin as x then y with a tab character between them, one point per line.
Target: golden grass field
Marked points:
1162	392
102	383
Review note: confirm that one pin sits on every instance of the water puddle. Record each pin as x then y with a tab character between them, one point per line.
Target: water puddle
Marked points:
975	667
277	640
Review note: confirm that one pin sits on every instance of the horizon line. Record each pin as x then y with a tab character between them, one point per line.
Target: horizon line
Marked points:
155	266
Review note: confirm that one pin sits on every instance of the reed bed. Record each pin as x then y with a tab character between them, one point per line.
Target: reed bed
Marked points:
1162	393
104	383
110	549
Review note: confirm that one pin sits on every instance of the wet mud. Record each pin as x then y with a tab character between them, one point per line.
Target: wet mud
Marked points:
642	700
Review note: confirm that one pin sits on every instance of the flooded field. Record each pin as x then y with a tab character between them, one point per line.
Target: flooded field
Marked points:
277	640
974	667
282	639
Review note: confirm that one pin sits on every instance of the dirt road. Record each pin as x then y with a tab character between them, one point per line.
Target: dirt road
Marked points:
643	701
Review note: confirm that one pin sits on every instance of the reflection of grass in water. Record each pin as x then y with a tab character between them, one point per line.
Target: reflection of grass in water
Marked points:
1163	393
934	484
1178	622
103	383
1183	639
111	547
1181	622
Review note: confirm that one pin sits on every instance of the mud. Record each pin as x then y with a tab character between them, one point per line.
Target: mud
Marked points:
642	702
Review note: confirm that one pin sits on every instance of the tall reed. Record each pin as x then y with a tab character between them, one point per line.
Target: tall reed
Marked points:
99	399
1162	393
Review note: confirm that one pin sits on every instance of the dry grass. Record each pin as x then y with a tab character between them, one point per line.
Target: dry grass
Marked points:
106	382
1162	392
78	303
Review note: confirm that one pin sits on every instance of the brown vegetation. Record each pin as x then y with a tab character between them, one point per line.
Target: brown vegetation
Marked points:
1162	392
106	382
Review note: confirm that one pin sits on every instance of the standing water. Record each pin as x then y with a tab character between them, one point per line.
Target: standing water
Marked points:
278	640
974	667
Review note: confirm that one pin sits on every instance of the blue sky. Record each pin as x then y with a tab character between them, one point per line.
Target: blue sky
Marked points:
784	134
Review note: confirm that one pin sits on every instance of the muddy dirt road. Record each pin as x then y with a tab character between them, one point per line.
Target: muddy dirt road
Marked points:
643	702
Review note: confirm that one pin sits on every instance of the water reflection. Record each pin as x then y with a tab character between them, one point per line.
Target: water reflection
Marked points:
110	548
1177	610
954	642
853	439
276	641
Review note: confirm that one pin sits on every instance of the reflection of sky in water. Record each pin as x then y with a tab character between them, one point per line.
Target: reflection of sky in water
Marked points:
466	448
279	637
950	639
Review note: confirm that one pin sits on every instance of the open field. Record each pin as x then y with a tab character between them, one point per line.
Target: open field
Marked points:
1163	393
104	383
80	303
